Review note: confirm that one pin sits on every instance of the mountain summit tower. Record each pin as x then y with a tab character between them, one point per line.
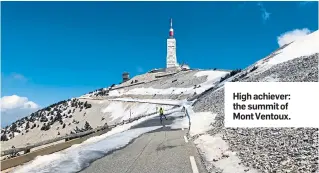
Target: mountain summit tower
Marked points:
171	60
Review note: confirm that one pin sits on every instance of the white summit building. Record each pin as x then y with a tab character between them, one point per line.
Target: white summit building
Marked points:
171	60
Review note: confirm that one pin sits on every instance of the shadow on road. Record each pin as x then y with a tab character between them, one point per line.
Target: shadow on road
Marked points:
156	122
167	147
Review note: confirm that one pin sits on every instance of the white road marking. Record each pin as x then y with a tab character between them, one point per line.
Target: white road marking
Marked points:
185	139
193	163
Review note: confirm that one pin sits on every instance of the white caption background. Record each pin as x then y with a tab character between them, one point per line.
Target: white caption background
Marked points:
303	106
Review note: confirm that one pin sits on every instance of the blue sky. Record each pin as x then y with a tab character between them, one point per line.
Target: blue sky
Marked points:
52	51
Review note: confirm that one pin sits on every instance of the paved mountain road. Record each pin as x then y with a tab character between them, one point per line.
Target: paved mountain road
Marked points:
161	151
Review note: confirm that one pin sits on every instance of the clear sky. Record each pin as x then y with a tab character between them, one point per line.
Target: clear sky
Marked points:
53	51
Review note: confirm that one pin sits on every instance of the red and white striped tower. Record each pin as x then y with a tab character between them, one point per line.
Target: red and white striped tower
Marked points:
171	30
171	60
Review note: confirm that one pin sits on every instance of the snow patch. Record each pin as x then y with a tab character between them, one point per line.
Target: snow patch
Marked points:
152	91
154	101
116	110
180	123
305	46
211	75
114	93
122	111
199	122
270	79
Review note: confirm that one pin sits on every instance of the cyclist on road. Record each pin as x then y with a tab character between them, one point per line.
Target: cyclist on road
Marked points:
161	111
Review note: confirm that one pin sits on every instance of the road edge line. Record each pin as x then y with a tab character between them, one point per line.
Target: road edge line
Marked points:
185	138
193	164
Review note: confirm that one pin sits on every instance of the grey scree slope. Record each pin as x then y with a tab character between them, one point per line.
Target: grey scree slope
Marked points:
270	149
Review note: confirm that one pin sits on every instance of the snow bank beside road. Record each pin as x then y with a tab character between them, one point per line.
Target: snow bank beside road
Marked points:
77	158
200	122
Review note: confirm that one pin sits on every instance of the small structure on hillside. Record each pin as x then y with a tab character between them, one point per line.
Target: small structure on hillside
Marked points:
185	67
125	76
157	70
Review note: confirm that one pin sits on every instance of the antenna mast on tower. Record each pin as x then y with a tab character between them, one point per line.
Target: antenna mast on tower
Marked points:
171	30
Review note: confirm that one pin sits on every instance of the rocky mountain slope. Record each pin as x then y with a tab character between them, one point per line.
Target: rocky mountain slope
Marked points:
271	149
